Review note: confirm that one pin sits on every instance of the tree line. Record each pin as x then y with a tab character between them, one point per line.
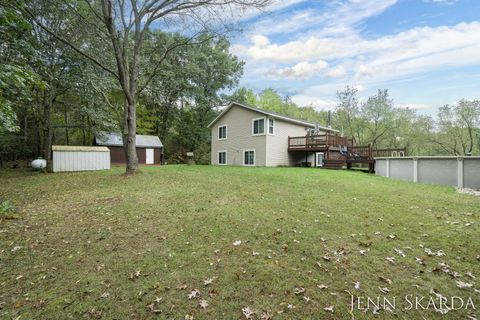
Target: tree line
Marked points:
75	68
454	130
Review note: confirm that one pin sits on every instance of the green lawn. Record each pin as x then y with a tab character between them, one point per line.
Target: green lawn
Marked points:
101	245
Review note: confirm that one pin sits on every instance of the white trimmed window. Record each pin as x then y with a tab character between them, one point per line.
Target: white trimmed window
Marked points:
271	126
248	157
258	126
222	157
222	132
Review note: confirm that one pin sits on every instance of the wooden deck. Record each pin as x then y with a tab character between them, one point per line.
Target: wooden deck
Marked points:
316	143
339	151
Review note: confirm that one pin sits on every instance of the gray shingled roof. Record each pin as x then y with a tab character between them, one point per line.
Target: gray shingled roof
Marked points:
115	140
270	113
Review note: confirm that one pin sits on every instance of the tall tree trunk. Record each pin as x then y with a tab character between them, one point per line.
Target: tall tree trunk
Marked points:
130	137
47	130
470	136
66	125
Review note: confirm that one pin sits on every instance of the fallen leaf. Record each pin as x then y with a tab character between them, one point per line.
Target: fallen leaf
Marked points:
203	304
16	248
247	312
193	294
463	285
299	291
363	252
357	285
208	282
400	252
328	309
151	308
384	290
237	243
385	280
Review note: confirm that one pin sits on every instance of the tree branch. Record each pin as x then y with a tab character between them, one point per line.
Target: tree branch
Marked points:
69	44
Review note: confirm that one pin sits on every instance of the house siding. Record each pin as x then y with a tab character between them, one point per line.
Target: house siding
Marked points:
239	137
277	145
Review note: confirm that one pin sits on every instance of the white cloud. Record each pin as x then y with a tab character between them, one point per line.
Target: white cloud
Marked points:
334	17
336	72
288	44
314	101
300	71
414	51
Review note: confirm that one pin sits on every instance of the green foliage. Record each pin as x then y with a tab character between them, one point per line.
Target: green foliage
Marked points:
16	76
458	128
376	121
271	100
7	210
178	104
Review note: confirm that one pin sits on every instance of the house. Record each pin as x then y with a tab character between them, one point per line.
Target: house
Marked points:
149	148
249	136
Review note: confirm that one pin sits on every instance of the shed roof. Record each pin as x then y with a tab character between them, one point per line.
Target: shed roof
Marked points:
115	140
271	114
80	148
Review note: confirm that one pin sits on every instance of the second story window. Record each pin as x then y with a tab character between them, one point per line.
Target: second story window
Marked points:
222	132
271	126
258	126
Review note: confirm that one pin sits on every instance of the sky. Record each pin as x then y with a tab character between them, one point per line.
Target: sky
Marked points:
426	52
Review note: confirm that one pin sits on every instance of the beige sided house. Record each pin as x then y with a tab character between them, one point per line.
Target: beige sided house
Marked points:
247	136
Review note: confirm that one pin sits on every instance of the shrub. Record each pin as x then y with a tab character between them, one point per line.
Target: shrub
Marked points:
7	210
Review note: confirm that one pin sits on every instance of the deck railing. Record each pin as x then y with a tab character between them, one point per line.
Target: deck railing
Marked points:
391	152
317	141
351	152
359	152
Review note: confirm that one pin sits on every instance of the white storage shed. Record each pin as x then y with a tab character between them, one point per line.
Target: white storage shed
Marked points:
79	158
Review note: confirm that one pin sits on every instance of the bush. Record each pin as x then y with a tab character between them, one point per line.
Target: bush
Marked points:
7	210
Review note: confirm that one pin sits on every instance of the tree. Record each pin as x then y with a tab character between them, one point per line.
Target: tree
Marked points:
347	114
184	93
271	100
379	116
457	127
125	26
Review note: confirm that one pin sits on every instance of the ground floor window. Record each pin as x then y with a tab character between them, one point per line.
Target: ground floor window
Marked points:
222	157
249	158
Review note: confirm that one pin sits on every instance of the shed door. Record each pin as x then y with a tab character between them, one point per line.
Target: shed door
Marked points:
149	158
